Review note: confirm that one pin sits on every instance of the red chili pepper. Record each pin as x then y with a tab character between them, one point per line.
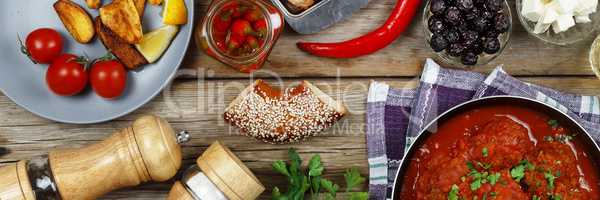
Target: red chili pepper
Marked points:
398	21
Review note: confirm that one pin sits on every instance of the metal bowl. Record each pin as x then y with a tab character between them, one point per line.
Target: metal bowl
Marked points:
320	16
583	136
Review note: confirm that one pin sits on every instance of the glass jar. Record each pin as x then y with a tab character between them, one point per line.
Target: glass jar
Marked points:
240	33
217	175
595	56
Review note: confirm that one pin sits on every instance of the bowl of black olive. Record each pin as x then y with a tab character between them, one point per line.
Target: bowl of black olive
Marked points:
467	32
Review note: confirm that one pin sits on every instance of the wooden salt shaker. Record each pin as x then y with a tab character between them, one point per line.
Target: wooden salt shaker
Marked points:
146	151
218	175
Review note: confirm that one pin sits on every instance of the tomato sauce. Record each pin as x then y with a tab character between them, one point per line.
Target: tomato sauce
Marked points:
500	153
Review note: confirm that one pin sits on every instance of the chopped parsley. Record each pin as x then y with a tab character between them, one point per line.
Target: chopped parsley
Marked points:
453	194
484	151
550	178
518	171
535	197
555	197
493	178
553	123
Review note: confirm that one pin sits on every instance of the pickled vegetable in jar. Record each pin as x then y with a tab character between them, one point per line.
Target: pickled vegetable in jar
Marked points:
240	33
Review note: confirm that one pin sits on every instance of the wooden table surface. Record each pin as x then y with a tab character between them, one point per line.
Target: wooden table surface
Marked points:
197	98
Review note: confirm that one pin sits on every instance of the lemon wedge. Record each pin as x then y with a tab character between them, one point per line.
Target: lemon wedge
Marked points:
174	12
154	43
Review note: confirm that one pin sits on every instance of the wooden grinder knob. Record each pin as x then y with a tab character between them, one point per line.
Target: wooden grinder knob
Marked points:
146	151
14	183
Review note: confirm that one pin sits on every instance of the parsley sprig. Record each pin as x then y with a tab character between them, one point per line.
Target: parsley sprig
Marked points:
300	182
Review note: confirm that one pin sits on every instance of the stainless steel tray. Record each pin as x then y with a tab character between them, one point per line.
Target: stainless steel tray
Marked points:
320	16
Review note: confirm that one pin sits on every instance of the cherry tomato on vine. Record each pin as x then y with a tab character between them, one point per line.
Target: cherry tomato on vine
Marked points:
66	76
43	45
108	78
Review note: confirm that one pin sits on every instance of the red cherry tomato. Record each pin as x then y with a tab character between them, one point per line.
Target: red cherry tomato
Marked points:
43	45
66	76
108	78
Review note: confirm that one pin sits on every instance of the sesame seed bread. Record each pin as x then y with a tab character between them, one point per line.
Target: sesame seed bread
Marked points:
274	116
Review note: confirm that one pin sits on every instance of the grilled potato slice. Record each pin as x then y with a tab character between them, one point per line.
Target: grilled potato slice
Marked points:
77	21
122	18
93	4
126	53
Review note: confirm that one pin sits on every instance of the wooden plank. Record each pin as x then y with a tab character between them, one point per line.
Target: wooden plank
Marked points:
200	108
525	55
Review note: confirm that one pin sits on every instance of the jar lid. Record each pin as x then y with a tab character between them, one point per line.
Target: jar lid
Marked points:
229	173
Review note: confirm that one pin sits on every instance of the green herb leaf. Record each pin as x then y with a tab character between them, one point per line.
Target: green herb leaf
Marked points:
555	197
493	178
316	185
331	187
550	178
453	194
553	123
353	178
359	196
315	168
295	162
281	167
517	172
485	152
536	197
476	184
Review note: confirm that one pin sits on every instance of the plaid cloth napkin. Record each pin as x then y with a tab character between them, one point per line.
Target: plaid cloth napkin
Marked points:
396	116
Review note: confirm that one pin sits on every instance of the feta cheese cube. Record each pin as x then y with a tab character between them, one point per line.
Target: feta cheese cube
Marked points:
585	7
563	23
550	15
540	27
533	10
566	6
583	19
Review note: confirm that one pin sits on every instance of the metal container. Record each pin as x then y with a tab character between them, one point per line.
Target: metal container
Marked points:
566	121
320	16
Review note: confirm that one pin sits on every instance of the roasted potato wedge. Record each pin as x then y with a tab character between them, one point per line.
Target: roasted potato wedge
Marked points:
156	2
77	21
140	5
122	18
94	4
126	53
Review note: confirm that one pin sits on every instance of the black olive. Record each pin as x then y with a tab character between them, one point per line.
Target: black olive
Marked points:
481	25
491	45
501	23
469	37
491	34
469	59
487	15
477	47
456	49
473	14
493	5
452	35
464	5
453	15
438	43
438	7
436	25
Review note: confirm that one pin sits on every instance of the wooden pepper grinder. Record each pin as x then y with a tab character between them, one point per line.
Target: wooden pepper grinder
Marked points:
218	175
146	151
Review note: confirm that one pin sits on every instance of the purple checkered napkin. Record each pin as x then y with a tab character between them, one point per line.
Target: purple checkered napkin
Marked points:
396	116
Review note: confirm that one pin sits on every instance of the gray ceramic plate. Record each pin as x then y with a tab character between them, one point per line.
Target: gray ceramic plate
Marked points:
24	82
